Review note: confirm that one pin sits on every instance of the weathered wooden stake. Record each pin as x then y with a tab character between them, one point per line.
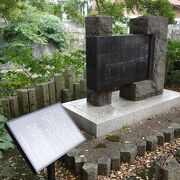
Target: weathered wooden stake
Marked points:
39	96
84	74
83	88
58	87
76	90
14	106
45	91
42	93
23	101
52	94
1	109
32	99
65	95
6	108
68	75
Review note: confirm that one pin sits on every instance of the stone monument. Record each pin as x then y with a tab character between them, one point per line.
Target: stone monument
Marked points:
133	64
156	27
99	26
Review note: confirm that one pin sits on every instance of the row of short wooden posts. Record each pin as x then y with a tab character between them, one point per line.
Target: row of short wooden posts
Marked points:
59	89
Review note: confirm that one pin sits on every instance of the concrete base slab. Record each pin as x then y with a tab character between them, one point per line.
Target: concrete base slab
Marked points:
100	121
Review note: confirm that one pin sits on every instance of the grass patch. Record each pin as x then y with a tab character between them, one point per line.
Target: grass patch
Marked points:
100	145
125	127
113	138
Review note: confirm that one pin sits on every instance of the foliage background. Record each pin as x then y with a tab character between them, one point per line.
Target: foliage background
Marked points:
36	21
30	24
117	8
5	140
173	53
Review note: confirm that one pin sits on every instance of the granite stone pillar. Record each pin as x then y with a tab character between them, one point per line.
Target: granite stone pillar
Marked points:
99	26
157	27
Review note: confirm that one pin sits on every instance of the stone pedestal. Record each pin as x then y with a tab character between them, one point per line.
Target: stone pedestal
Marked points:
100	121
156	27
99	98
98	26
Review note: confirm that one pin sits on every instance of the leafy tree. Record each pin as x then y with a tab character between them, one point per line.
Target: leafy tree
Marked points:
45	6
144	7
17	37
74	60
117	8
10	10
152	7
56	9
38	70
41	5
73	10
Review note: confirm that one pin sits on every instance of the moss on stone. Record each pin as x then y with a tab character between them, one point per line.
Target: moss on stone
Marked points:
113	138
100	145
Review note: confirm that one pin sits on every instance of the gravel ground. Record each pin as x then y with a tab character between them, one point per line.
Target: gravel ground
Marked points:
129	134
142	166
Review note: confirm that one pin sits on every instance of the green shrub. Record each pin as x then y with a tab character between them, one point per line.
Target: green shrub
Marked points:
16	49
73	10
75	60
5	140
35	71
173	53
174	77
53	29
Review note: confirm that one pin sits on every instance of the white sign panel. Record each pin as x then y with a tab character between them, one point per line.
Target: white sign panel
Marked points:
45	135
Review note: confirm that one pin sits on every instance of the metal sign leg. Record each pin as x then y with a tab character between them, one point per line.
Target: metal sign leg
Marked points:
51	171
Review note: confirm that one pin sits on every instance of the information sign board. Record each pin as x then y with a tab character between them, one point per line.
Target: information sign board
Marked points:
45	135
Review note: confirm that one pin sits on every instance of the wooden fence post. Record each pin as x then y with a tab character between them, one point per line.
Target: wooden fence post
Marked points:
58	87
52	95
14	106
68	75
83	88
65	95
39	96
23	101
42	94
6	108
45	89
76	90
84	74
32	99
1	109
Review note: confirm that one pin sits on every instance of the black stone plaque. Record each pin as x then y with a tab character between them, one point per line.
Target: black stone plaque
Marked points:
44	135
114	61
